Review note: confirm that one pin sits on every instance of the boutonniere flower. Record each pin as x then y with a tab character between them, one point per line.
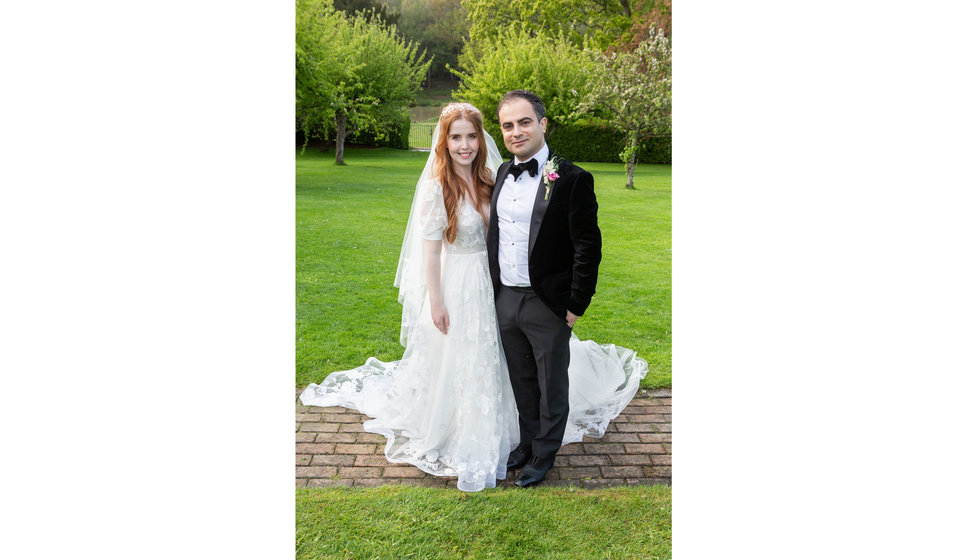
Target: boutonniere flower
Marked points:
550	175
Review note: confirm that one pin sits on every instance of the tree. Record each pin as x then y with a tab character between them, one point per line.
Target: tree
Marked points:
634	89
365	7
322	64
553	68
585	23
440	26
353	68
648	16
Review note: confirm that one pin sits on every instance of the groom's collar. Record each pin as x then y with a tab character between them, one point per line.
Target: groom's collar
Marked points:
541	156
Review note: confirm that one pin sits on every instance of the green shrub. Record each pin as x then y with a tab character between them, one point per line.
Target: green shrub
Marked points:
595	142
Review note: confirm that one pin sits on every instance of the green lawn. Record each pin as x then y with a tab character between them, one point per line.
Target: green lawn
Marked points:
541	523
349	225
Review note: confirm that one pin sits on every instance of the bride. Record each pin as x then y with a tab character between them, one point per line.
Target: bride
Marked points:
447	406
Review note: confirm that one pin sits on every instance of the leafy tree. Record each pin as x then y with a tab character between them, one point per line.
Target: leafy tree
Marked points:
440	26
553	68
648	15
366	7
583	22
355	69
323	63
634	89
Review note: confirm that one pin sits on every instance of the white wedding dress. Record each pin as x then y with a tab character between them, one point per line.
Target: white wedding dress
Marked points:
447	406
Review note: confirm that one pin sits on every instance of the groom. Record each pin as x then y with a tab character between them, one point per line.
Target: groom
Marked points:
544	248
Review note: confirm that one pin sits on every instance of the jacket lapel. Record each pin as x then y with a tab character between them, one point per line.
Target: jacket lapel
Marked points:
537	213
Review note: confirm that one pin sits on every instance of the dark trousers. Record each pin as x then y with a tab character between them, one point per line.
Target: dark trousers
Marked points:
536	346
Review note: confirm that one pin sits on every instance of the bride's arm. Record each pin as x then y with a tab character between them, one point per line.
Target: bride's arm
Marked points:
433	278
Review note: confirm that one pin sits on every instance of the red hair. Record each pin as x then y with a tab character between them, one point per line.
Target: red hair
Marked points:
453	186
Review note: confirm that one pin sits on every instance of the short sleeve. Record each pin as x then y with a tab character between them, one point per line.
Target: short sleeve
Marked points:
432	212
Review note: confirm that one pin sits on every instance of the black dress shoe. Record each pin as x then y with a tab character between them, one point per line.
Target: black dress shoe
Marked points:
518	457
533	472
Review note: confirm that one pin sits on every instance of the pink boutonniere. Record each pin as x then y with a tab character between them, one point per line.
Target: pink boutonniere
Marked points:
550	175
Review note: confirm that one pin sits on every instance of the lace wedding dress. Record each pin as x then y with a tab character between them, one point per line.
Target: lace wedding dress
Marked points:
447	406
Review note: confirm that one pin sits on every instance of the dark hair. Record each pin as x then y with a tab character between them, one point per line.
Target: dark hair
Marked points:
526	95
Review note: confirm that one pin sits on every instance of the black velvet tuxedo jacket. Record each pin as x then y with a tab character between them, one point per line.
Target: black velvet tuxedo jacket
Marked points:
564	245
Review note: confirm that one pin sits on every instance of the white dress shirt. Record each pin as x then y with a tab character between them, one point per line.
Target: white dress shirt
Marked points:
514	206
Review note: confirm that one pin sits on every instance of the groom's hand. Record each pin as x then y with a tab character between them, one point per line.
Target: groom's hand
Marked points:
570	318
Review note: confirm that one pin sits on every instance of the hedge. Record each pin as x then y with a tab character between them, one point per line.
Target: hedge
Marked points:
577	142
397	135
597	143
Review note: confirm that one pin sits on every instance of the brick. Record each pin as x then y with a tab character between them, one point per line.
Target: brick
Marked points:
351	428
578	472
630	459
329	437
654	438
316	472
603	448
562	460
359	472
301	482
336	460
314	448
571	449
612	428
305	437
307	417
320	427
620	438
660	459
588	460
297	426
662	428
331	409
366	437
403	472
636	428
356	448
649	418
656	472
371	461
645	448
621	472
303	460
343	417
322	482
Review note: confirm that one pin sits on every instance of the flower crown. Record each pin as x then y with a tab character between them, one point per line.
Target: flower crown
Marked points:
452	107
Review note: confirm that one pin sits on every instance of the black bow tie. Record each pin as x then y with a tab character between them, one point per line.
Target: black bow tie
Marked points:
531	166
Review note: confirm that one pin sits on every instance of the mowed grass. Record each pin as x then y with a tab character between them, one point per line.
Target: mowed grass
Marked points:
350	221
541	523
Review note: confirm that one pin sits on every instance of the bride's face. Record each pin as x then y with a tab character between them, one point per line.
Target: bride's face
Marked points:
463	143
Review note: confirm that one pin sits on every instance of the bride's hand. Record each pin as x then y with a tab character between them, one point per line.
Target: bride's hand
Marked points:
440	318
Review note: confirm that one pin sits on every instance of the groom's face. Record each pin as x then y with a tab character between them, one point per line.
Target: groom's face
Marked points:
523	132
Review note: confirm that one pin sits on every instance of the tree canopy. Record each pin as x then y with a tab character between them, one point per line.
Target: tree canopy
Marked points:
634	90
353	69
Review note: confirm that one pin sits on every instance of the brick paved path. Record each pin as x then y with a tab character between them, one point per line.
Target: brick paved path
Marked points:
332	449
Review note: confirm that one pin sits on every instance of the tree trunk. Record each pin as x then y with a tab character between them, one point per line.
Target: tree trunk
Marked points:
341	119
626	7
631	161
